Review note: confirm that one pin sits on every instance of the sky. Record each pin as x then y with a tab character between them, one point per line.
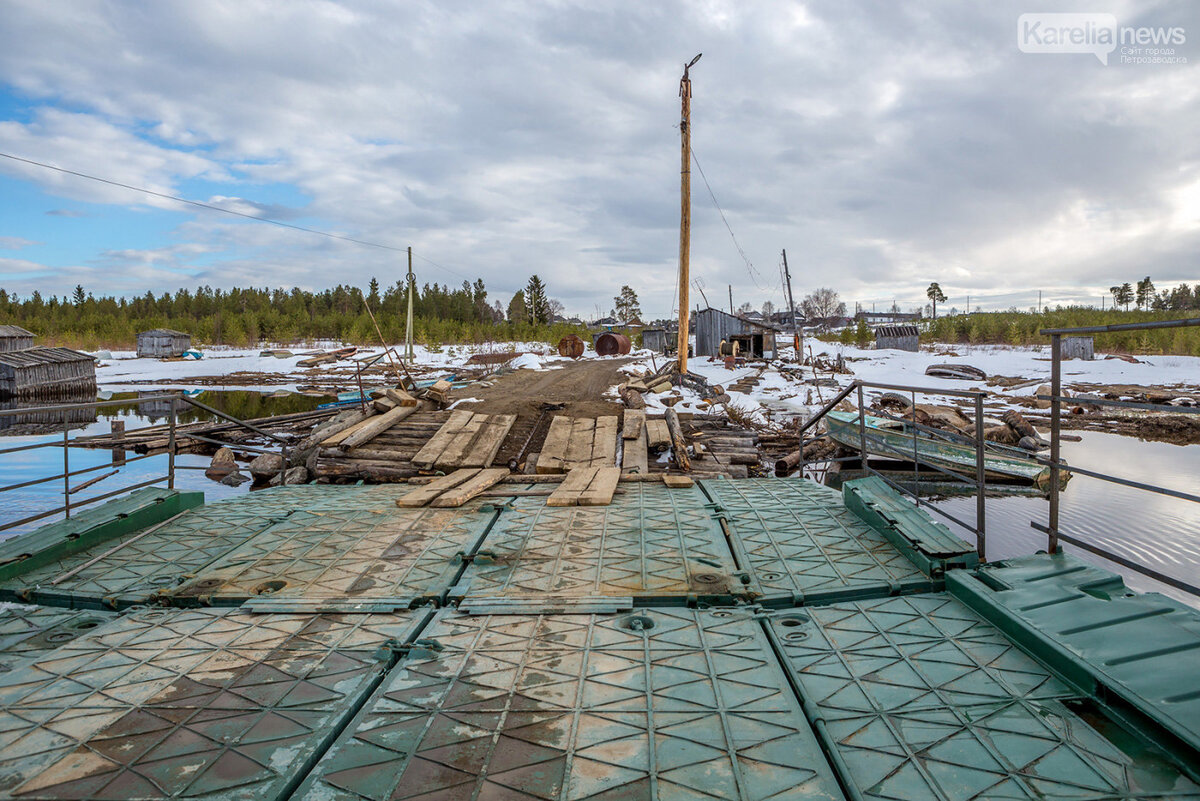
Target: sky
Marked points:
883	145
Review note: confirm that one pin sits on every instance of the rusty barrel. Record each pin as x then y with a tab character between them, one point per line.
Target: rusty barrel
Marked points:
610	344
570	346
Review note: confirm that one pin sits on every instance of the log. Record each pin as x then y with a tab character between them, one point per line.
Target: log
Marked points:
376	425
1020	426
633	424
678	443
632	398
469	489
382	472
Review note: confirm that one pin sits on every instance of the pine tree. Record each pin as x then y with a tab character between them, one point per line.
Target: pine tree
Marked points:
627	305
517	312
537	305
80	297
934	293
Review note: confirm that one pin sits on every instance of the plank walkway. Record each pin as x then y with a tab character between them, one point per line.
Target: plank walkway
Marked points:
574	442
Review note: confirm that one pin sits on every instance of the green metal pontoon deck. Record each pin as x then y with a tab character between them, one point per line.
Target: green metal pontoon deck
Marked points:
750	639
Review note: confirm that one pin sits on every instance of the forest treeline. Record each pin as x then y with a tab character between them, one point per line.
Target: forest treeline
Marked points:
247	317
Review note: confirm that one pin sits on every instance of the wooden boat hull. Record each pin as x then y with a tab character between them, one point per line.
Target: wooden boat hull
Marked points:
892	440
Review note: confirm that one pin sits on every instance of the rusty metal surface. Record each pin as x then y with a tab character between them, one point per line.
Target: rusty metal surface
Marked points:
374	551
655	704
610	344
800	543
649	543
571	346
188	703
27	632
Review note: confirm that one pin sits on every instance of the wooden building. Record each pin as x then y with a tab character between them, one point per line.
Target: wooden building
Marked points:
1077	348
655	339
897	337
163	342
756	339
46	372
14	337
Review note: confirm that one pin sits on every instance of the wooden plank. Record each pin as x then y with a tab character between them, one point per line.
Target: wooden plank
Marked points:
428	455
634	423
604	442
567	493
459	446
659	436
635	458
399	397
424	494
554	449
488	443
677	482
579	449
600	491
472	487
376	426
335	440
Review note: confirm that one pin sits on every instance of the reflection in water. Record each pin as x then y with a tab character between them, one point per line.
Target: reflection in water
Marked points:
33	419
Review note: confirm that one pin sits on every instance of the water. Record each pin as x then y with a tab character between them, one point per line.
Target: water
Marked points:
136	413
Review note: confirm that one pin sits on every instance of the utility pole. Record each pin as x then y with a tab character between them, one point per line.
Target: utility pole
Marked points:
685	207
1039	301
731	299
796	336
968	304
408	327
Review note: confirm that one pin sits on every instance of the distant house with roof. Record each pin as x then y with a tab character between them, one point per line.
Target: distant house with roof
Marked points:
14	337
163	342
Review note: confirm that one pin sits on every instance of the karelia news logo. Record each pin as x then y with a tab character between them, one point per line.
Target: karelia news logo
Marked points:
1099	35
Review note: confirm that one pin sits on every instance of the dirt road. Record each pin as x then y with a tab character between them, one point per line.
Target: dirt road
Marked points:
580	385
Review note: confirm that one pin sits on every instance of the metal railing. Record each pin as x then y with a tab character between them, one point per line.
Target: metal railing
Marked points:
919	434
1057	466
69	503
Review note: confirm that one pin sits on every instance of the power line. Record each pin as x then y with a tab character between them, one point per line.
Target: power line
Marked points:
750	269
244	215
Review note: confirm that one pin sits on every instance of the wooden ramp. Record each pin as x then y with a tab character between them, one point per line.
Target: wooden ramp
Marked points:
465	440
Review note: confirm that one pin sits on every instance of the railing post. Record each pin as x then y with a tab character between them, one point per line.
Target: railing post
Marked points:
171	448
66	467
916	458
1055	426
862	428
980	483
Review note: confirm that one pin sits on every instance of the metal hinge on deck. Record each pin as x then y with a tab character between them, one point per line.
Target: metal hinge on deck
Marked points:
394	649
483	557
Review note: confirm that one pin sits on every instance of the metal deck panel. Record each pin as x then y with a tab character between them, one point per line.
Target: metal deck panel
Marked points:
27	632
798	541
188	703
352	555
924	699
649	543
654	704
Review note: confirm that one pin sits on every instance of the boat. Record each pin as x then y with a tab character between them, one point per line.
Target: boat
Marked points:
893	439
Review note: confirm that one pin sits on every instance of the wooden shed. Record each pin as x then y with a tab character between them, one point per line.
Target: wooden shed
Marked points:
1077	348
897	337
655	339
14	337
163	342
46	372
757	340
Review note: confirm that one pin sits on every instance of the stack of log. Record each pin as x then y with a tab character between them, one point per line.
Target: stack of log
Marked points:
157	437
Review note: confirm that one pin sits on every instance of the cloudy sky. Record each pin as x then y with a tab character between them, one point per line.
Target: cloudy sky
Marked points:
884	145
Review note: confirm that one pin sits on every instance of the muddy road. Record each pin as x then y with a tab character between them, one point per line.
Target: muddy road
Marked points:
580	385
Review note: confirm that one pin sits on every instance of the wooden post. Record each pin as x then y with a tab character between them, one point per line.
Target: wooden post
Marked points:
685	209
797	337
408	328
118	437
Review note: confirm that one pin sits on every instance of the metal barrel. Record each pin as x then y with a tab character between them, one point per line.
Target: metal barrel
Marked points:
610	344
571	346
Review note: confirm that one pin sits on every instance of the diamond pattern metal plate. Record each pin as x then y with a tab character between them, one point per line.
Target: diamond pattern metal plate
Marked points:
798	541
188	703
352	554
649	543
655	704
27	632
923	699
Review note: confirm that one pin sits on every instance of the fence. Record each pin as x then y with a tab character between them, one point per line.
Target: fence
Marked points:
64	411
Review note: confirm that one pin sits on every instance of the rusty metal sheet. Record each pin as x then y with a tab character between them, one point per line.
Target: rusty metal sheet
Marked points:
360	553
653	704
27	632
801	545
922	698
650	543
213	704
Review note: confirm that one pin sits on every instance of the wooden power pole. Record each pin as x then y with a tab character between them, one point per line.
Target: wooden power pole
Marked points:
796	336
685	208
408	328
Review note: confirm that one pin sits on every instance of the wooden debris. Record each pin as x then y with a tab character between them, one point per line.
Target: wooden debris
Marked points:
631	397
677	482
400	397
470	488
634	423
678	443
375	426
424	494
658	435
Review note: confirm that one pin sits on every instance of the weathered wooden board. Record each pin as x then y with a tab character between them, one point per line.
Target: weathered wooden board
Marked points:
579	449
600	491
335	440
460	445
634	423
428	455
374	426
678	482
426	493
658	435
604	442
635	457
483	450
554	449
567	493
471	487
